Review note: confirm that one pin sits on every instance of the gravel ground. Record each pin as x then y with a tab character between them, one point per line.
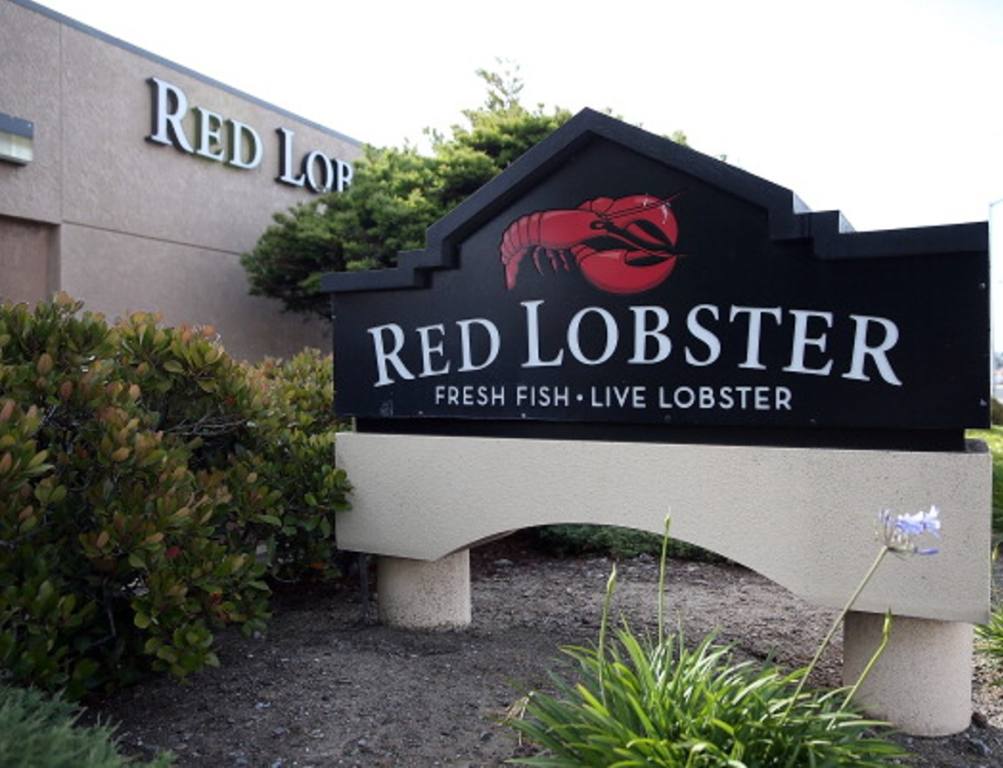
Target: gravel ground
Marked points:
328	688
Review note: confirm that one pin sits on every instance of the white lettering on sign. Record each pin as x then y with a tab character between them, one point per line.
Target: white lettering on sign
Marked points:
862	350
245	146
170	105
755	332
542	396
702	334
802	341
642	333
237	144
574	340
210	144
494	339
428	349
873	339
470	395
392	357
728	397
533	359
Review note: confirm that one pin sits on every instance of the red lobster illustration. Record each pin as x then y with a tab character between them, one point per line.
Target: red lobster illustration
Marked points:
621	246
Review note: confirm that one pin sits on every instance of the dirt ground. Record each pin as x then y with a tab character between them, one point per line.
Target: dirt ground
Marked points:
327	688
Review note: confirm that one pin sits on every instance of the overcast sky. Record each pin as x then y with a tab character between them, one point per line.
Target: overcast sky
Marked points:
890	110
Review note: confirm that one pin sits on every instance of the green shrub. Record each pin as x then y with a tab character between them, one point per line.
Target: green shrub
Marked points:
663	705
993	438
38	732
614	541
996	412
266	432
146	490
296	442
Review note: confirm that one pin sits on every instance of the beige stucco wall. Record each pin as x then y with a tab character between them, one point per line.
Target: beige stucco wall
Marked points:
30	89
186	284
145	226
115	179
802	517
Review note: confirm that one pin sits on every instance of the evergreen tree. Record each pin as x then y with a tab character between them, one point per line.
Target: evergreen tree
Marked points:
396	193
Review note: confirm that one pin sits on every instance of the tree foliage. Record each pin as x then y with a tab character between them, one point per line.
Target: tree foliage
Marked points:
396	194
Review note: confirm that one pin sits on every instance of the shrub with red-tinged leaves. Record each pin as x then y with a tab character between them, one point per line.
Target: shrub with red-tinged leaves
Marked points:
300	432
141	501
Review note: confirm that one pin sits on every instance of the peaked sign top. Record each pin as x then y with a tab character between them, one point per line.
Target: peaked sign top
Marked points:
612	283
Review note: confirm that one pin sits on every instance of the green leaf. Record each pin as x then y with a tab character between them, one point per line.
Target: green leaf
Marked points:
168	654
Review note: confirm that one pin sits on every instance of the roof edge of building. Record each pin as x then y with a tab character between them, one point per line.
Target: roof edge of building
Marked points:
103	36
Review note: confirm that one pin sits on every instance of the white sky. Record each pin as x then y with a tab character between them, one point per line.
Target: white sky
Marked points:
889	110
885	109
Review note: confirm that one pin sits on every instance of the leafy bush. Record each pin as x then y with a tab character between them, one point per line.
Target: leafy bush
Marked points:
615	541
996	412
297	444
38	732
145	493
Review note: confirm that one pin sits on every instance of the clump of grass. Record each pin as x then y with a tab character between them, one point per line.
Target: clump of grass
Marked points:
993	438
991	636
638	702
41	732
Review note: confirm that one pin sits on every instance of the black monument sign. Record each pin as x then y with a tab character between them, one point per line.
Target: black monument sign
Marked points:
612	283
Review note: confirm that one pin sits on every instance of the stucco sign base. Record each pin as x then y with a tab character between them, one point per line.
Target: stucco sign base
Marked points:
802	517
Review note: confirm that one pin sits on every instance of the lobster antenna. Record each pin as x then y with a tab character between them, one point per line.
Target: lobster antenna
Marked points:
638	208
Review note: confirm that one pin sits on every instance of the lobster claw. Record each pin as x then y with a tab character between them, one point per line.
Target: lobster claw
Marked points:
619	272
647	231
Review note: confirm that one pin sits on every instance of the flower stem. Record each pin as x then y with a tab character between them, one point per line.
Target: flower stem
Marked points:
832	630
610	589
886	631
661	578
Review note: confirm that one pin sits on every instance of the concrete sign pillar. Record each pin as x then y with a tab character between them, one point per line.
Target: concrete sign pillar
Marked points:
923	680
804	518
423	594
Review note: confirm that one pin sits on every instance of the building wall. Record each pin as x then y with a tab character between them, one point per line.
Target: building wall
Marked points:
186	284
29	88
141	225
28	259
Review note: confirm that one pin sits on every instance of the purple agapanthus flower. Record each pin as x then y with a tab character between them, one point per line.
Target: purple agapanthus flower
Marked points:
902	533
